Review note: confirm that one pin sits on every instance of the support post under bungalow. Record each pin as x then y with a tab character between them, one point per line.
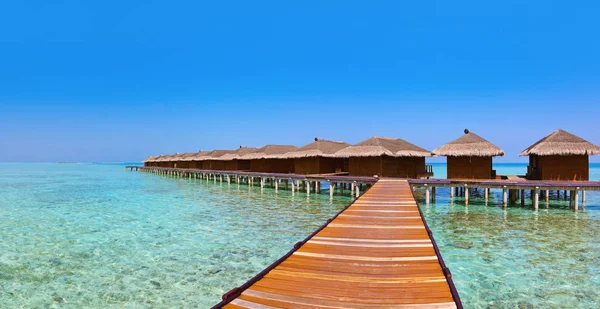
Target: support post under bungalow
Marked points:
433	194
316	187
276	185
577	200
293	185
357	187
426	194
307	188
583	198
486	194
331	189
451	192
547	196
536	198
466	195
522	198
504	196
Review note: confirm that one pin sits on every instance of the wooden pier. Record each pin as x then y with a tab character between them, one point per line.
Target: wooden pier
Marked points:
377	253
513	189
308	184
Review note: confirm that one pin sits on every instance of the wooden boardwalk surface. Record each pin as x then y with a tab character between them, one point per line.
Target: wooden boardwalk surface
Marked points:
377	253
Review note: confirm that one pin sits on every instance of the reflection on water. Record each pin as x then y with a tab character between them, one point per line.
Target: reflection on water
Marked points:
75	236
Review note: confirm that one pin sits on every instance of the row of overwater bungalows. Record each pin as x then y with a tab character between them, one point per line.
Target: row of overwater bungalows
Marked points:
558	156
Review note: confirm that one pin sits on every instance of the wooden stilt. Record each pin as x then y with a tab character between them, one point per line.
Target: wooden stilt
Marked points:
522	198
276	185
331	189
504	196
486	193
583	197
357	188
433	194
427	194
293	186
536	198
466	189
576	198
307	188
451	192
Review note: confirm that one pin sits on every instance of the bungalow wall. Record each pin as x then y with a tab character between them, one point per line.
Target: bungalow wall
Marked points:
237	165
470	168
559	167
183	164
385	166
282	166
319	165
217	165
365	166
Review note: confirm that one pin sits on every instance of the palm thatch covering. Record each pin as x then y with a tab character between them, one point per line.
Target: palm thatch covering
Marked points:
183	157
383	146
214	155
150	159
197	156
318	148
469	145
561	143
167	158
236	154
269	152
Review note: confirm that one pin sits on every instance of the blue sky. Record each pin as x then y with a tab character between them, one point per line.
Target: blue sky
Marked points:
119	80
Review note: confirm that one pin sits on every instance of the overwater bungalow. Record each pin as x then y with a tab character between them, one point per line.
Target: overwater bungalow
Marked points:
560	156
149	161
469	157
166	160
265	159
317	158
386	157
195	161
181	162
233	161
212	162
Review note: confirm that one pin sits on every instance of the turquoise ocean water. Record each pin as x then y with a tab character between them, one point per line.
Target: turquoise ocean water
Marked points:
95	236
517	257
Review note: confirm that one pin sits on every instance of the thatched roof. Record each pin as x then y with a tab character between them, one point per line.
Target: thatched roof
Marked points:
318	148
182	156
150	159
167	158
236	154
561	143
197	156
469	145
379	146
269	151
215	154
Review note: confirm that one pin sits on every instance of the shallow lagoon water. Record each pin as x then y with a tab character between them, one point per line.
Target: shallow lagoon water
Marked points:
95	236
516	257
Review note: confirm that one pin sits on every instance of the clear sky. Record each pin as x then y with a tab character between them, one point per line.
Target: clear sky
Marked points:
120	80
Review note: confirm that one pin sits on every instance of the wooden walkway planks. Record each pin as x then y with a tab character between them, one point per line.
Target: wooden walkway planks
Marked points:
377	253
